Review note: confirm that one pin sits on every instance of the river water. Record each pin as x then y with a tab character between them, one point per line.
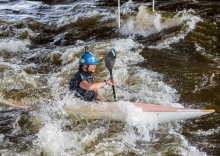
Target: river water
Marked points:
167	57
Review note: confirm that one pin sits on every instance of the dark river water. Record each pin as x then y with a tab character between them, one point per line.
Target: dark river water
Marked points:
167	57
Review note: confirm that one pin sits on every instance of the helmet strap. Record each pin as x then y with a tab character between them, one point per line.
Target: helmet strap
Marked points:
85	67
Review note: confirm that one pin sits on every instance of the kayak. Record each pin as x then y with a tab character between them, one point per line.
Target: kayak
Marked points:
123	110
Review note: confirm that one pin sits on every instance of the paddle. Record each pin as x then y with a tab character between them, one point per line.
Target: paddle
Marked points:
109	63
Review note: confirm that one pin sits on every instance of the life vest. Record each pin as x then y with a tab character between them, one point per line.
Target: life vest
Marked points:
80	92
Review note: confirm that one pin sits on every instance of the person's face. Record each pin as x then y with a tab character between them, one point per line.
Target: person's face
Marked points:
91	68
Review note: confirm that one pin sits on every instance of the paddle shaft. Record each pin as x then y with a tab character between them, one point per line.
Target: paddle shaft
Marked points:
113	87
109	62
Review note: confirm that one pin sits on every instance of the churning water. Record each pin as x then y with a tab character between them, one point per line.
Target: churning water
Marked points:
167	57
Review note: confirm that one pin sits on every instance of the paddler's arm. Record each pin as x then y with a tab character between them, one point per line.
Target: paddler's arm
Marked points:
94	86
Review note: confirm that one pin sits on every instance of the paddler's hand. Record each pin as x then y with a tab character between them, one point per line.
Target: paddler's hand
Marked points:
110	82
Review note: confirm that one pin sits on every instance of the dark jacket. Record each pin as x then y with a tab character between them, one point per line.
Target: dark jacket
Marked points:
80	92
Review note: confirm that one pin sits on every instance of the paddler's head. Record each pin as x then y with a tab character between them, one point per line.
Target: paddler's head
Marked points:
87	61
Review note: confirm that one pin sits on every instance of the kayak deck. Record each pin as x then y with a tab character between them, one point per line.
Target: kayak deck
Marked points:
158	108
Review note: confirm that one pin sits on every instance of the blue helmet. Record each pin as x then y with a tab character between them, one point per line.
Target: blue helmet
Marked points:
87	58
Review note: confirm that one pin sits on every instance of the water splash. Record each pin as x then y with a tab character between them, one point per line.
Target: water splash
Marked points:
146	22
18	46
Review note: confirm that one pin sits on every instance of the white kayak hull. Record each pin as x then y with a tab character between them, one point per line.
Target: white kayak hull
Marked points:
123	111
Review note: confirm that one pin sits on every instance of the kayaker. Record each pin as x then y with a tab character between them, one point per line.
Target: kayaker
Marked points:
83	83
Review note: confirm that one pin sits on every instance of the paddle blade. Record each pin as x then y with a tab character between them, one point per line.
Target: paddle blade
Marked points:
110	60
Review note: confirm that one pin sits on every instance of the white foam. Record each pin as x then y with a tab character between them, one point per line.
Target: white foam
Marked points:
22	5
16	80
53	140
206	54
18	45
188	20
1	138
17	77
147	22
186	148
71	19
136	118
207	133
86	11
